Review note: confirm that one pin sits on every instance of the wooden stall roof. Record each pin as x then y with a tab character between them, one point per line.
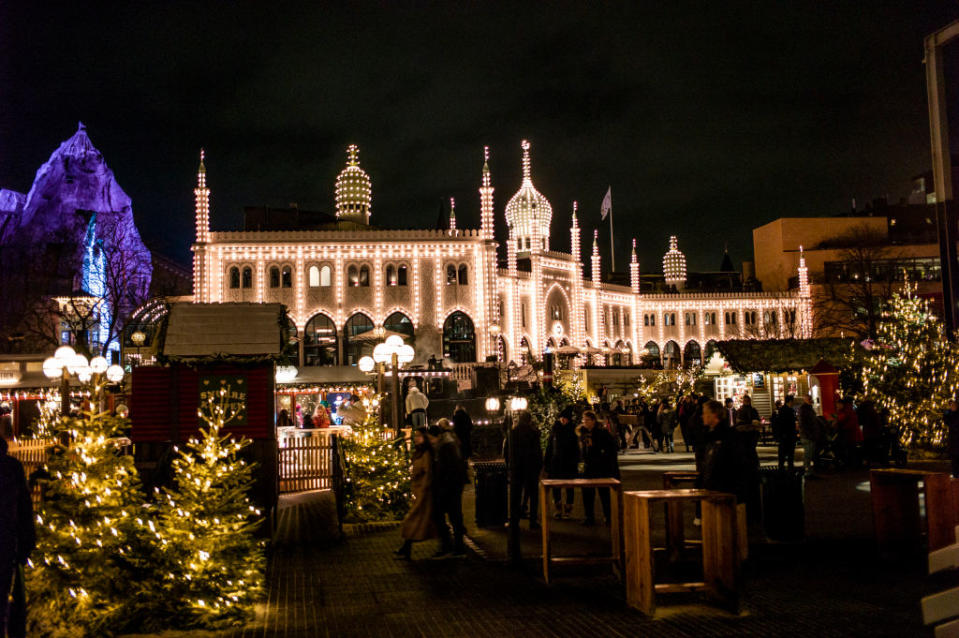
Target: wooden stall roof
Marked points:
224	330
787	355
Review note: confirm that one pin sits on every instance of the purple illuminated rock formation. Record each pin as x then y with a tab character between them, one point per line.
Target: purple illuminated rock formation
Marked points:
72	187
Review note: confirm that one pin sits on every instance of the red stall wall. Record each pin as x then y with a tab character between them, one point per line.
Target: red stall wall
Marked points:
164	401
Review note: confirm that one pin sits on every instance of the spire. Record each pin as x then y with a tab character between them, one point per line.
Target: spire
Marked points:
202	202
353	155
353	192
634	270
452	214
803	274
595	259
486	199
527	173
574	235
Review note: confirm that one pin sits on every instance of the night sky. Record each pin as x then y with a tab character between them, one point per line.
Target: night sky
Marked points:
707	119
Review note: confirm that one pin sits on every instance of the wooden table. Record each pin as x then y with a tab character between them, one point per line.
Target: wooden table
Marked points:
675	530
895	508
720	547
616	526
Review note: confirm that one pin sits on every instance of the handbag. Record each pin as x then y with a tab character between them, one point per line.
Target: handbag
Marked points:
17	616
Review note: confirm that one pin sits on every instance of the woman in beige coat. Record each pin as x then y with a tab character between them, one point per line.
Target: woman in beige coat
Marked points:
418	524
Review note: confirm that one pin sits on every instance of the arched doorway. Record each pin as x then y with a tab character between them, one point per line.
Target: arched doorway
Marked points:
711	347
692	355
319	342
671	356
617	352
398	322
651	357
459	338
353	350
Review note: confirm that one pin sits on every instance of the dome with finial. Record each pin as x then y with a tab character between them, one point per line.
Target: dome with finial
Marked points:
674	264
353	190
529	213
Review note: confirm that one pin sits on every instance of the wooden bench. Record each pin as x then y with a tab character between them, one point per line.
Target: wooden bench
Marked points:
895	508
675	529
616	530
720	547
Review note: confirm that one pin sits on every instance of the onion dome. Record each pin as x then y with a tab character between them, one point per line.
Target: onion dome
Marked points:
674	264
353	190
529	213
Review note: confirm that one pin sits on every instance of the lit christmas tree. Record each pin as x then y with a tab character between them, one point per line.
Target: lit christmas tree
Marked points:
913	370
92	540
212	559
377	470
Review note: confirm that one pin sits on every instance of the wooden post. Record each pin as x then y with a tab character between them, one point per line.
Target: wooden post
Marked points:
544	524
720	562
640	590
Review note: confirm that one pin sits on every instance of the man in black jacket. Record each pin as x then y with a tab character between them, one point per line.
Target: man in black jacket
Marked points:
524	458
724	460
449	476
599	461
562	459
785	432
463	426
17	532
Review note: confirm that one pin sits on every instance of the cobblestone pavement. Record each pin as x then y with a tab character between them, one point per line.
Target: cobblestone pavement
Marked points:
832	585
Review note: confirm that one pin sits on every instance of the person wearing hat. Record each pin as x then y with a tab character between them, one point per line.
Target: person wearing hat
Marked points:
562	459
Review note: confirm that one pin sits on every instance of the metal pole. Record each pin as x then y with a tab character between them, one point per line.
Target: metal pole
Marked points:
396	393
612	252
64	393
513	546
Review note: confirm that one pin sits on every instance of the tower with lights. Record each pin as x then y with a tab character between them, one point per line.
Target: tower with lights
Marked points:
354	191
674	265
201	194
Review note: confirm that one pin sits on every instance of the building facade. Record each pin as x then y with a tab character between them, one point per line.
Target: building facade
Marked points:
446	291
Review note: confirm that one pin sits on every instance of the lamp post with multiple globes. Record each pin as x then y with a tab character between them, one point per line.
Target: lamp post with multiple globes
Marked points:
66	362
395	353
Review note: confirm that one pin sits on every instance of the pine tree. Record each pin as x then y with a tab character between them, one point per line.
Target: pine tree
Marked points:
92	539
377	470
213	561
912	371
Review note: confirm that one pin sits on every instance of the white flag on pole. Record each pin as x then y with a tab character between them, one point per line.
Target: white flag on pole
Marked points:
607	203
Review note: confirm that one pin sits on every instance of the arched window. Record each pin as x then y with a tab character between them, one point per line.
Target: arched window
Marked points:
671	355
326	277
692	355
287	277
401	276
463	275
353	275
451	275
459	338
364	276
274	277
353	349
398	322
651	357
314	277
234	277
319	345
390	275
247	277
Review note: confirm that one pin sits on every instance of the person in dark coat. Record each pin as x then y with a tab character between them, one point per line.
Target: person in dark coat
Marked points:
562	459
871	433
809	435
951	420
724	457
449	476
524	460
17	531
784	431
599	461
418	524
463	426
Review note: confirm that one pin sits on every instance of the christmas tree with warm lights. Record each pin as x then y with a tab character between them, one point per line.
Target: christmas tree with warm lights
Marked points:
912	371
377	470
93	542
213	562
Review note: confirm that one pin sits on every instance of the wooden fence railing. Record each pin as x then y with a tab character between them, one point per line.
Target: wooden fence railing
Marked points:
305	461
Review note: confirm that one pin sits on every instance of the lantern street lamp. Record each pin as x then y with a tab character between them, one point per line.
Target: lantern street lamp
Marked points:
395	353
492	405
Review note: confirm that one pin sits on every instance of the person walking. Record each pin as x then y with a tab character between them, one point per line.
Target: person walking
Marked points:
463	426
747	427
871	433
599	461
785	433
524	461
667	423
449	476
416	405
418	524
808	435
951	419
562	459
724	457
848	432
17	539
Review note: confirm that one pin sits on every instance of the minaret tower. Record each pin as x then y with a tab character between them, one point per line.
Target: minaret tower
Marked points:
201	285
634	270
574	236
452	216
595	259
486	199
803	275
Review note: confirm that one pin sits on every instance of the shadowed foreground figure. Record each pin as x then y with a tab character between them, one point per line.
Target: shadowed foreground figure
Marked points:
17	537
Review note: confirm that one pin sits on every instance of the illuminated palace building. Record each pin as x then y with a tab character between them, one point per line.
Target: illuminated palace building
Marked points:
345	281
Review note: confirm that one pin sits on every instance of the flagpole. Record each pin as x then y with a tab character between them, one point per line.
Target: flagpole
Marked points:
612	254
